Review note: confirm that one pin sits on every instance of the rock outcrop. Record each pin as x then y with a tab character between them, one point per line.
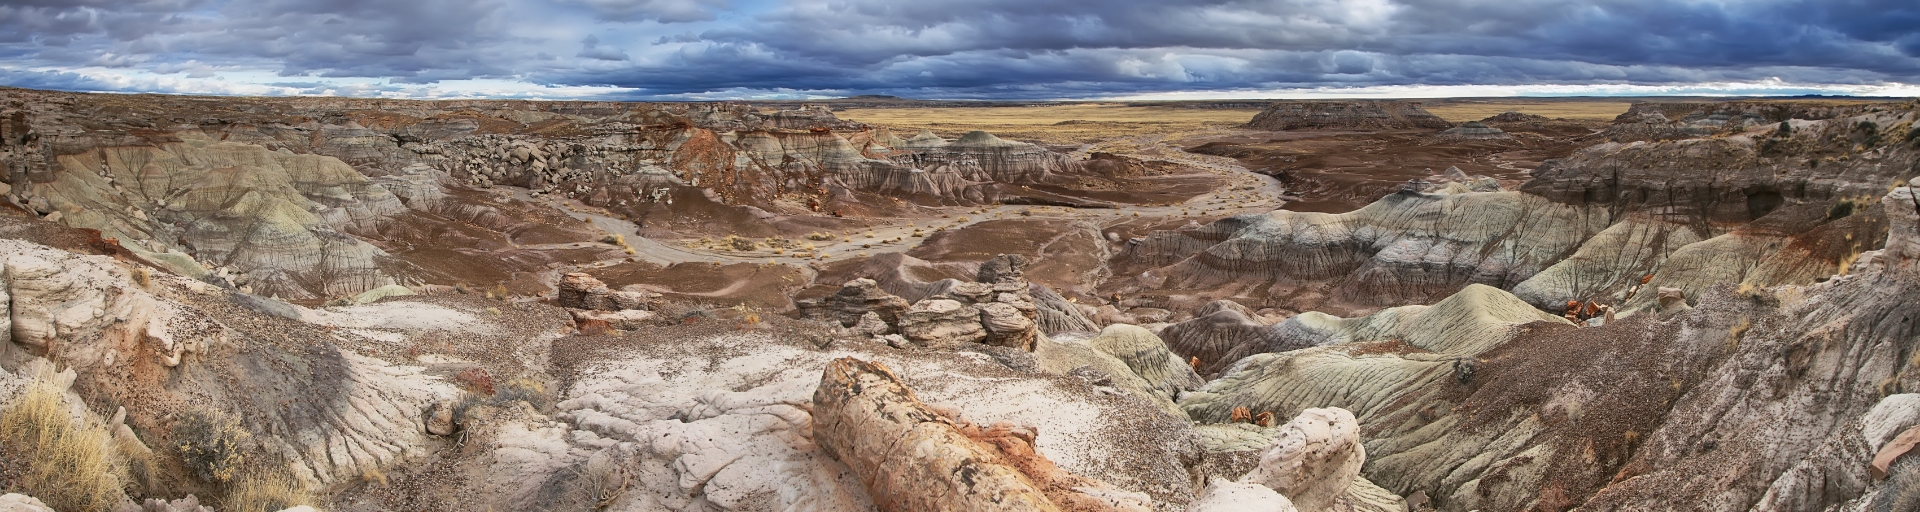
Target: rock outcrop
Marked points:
1590	227
855	300
1346	115
1313	461
911	458
147	346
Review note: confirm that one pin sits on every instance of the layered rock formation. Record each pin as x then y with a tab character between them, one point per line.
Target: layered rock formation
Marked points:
1346	115
1760	210
322	198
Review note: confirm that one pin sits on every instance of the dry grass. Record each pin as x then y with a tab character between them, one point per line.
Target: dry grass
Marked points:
69	464
1053	124
1475	110
265	493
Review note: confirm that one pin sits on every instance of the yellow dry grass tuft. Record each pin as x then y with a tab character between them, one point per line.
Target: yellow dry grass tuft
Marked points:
266	492
69	464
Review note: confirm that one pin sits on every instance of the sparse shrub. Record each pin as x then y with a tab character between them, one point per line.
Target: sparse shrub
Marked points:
615	239
1841	209
267	492
630	251
211	444
522	390
602	481
461	288
142	276
493	311
819	236
499	292
1869	133
1785	130
69	464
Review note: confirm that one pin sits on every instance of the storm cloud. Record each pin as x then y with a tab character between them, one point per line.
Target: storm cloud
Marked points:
637	49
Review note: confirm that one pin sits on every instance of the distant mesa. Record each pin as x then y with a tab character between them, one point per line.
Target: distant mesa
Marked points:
1346	115
875	97
1474	130
1514	117
978	138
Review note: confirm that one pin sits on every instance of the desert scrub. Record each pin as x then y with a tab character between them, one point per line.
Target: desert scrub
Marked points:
212	445
68	463
266	492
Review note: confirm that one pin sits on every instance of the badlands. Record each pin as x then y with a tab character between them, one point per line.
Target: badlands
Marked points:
225	303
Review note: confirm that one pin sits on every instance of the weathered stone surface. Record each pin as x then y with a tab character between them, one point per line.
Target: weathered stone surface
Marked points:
856	299
1224	495
440	419
1005	268
625	320
912	459
1006	326
942	323
1315	458
16	502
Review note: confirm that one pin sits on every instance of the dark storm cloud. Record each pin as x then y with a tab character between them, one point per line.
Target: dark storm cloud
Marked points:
984	48
665	11
359	38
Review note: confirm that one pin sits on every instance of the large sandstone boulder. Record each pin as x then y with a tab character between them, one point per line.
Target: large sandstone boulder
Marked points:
856	299
942	323
1313	461
582	291
1006	326
912	459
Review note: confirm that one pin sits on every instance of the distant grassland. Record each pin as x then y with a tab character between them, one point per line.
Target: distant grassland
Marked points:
1475	110
1055	124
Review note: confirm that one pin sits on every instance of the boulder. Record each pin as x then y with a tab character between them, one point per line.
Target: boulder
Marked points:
16	502
1316	457
440	419
1005	268
870	324
582	291
1224	495
1007	327
913	459
942	323
625	320
855	299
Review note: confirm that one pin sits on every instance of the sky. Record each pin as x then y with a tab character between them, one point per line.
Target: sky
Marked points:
963	49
